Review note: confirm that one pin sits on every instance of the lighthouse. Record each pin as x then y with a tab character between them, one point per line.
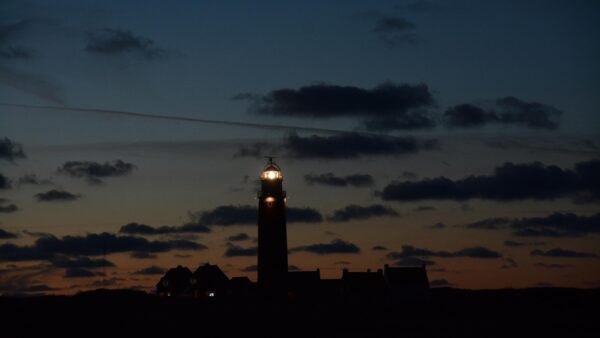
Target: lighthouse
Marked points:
272	237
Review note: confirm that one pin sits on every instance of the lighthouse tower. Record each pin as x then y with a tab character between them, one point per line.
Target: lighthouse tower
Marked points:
272	238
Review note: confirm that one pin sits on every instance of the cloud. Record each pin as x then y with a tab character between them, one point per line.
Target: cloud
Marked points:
46	248
509	263
8	35
10	150
120	42
552	265
489	223
336	246
238	251
15	52
242	236
471	252
33	84
151	270
508	182
562	253
557	225
62	261
379	248
507	111
303	215
94	171
143	229
36	234
9	52
250	268
32	179
142	255
6	208
357	212
56	196
7	235
517	244
388	106
436	226
356	180
395	31
228	215
419	6
413	261
554	225
439	283
341	146
79	273
5	183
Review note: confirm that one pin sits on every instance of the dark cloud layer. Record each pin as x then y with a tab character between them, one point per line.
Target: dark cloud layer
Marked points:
554	225
94	171
489	223
4	182
356	180
62	261
507	183
557	225
471	252
45	248
9	34
341	146
56	196
508	111
238	251
395	31
120	42
337	246
357	212
151	270
242	236
10	150
79	273
143	229
387	106
34	84
7	235
562	253
32	179
227	215
5	206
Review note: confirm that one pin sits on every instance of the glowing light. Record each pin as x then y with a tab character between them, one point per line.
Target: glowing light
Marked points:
271	175
211	294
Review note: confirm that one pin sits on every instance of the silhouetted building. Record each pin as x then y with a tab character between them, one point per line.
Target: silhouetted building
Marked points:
304	285
209	282
176	282
272	238
241	288
363	287
406	283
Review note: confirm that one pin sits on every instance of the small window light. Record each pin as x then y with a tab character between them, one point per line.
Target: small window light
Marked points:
270	201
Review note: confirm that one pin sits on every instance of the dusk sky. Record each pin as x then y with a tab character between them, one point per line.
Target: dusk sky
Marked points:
464	135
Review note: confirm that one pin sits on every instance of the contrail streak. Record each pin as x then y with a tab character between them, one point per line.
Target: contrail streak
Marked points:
180	118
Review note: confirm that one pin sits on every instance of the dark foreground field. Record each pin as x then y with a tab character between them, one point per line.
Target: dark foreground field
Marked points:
449	313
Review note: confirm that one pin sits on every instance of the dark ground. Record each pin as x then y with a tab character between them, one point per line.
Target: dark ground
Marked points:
540	312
